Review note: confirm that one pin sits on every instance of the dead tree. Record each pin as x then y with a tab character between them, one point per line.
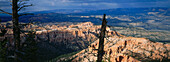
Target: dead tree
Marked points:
17	5
101	39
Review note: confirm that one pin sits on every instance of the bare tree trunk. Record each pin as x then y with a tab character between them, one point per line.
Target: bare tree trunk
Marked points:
101	40
16	29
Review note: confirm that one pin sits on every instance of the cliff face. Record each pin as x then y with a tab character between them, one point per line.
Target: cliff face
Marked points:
58	40
126	49
76	37
66	39
63	40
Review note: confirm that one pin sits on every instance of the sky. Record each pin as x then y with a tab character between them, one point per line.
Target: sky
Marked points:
42	5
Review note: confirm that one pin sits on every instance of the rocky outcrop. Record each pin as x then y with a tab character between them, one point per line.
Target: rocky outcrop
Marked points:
71	38
126	49
55	40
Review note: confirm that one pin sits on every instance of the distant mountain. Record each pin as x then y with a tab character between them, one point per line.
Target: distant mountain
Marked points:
126	11
155	18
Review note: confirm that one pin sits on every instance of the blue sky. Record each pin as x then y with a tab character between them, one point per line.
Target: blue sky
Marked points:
40	5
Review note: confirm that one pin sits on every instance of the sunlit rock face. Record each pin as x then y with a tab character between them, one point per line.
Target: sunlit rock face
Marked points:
57	39
80	35
118	48
126	49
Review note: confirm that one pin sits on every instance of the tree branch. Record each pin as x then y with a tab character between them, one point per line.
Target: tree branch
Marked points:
24	6
5	12
20	4
26	14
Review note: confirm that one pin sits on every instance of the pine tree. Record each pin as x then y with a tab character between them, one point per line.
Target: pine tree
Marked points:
30	48
3	47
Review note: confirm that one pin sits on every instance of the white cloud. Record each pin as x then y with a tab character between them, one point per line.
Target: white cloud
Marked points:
40	5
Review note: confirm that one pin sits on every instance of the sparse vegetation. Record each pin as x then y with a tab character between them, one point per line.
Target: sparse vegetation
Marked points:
66	56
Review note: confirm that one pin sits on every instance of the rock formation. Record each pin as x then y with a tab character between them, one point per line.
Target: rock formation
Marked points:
58	39
126	49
